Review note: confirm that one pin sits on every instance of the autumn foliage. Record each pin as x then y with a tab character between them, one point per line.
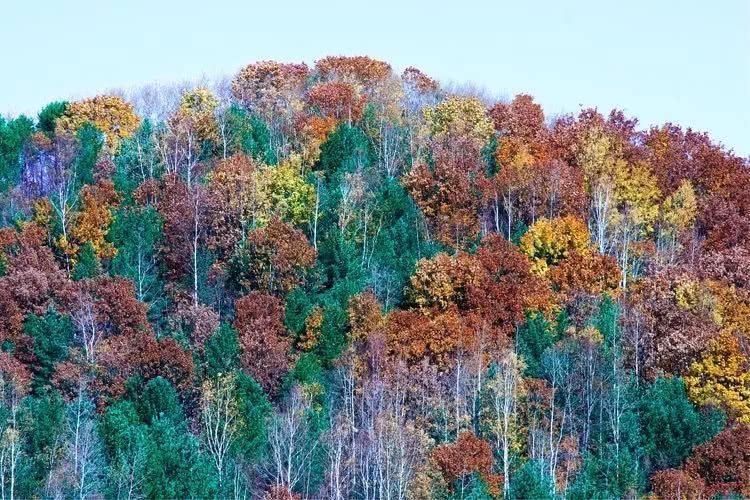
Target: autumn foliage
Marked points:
337	280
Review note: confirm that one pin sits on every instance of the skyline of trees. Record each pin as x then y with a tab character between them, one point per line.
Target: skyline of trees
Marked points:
335	281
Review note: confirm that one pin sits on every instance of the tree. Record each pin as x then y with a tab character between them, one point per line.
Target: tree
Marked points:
237	201
548	242
220	417
290	196
274	92
671	425
459	117
14	382
113	116
447	191
263	344
637	197
721	377
469	454
722	463
506	389
599	160
273	258
47	118
13	136
337	100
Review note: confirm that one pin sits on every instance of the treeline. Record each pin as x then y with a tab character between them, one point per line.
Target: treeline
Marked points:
340	282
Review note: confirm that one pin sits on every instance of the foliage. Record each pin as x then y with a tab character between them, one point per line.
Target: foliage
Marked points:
333	281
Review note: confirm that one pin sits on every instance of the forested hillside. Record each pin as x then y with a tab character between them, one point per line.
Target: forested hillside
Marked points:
338	281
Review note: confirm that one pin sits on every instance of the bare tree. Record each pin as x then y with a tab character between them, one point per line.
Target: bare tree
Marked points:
219	414
291	444
505	389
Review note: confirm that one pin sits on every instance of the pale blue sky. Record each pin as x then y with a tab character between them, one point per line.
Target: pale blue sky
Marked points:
682	61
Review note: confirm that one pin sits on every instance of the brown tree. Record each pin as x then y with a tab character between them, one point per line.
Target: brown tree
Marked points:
262	336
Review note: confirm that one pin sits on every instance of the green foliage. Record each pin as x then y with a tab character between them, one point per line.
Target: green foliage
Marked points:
138	160
671	425
395	247
333	333
90	141
136	233
606	321
87	265
255	410
613	467
306	371
159	400
13	136
534	337
250	135
530	482
46	426
52	334
222	351
346	149
47	118
176	467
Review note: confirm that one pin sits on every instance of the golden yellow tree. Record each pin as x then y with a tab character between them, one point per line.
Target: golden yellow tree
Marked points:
459	117
287	192
92	222
637	207
677	214
722	378
549	241
112	115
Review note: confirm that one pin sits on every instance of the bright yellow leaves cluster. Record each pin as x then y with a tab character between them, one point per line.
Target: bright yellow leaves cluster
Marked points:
680	208
637	196
110	114
459	117
196	110
91	224
721	377
549	241
290	196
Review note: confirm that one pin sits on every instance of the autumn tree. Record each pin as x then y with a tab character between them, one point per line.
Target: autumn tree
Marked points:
722	463
273	258
469	454
721	378
274	91
113	116
337	100
264	347
548	242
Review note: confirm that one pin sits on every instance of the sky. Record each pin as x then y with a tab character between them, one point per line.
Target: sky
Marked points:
685	62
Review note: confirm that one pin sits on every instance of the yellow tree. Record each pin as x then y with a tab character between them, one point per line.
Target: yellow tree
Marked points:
92	222
677	214
459	117
198	107
722	378
599	160
637	201
289	195
549	241
110	114
188	132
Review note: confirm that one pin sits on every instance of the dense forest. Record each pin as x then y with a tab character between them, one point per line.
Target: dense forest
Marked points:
338	281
